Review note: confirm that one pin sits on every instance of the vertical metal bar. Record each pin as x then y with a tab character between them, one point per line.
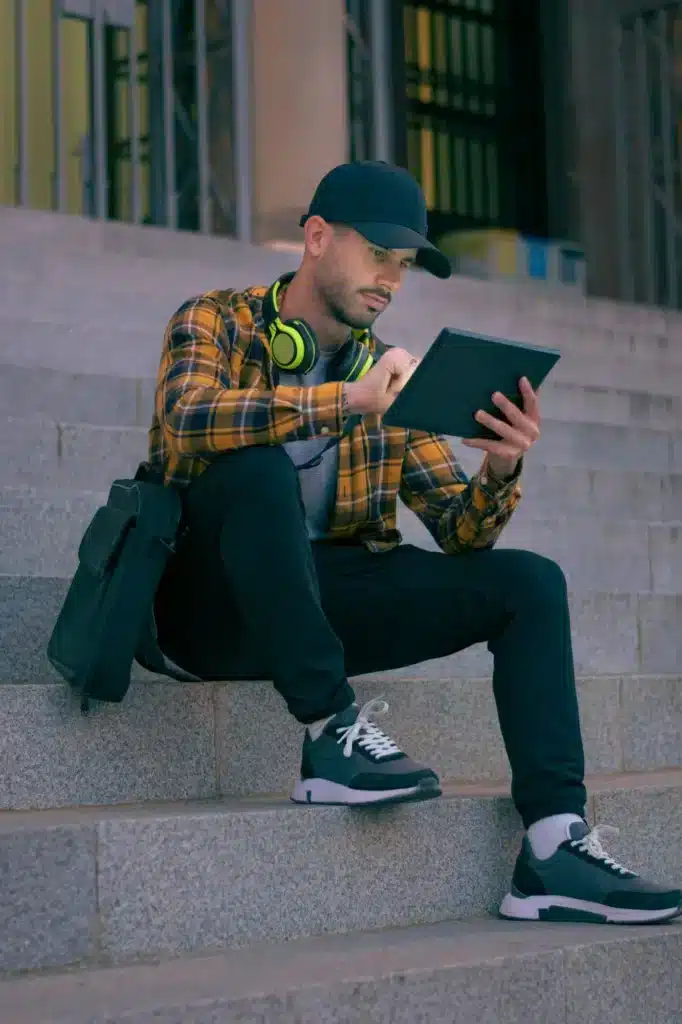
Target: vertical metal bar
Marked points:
169	115
21	46
99	113
624	228
668	169
241	78
202	116
644	142
59	197
382	144
134	123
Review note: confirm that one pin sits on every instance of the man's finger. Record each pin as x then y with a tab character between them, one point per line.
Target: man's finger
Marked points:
531	404
507	432
518	418
501	448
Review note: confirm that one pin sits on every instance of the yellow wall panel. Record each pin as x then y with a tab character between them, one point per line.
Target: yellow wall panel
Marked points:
40	104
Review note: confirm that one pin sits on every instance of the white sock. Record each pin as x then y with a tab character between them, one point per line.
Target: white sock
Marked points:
315	729
547	834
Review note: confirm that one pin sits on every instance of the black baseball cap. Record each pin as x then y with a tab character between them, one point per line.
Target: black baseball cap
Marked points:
382	202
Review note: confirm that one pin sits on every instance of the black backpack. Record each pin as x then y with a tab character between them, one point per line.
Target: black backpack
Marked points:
107	619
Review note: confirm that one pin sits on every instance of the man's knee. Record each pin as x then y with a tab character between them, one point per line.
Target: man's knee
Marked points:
263	465
528	571
260	474
245	471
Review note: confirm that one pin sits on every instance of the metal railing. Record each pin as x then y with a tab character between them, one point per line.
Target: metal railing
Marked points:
648	116
369	68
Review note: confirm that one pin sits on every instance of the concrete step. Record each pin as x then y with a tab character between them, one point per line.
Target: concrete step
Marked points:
614	633
595	553
96	300
108	399
455	973
31	241
80	456
549	491
127	346
171	741
40	535
117	884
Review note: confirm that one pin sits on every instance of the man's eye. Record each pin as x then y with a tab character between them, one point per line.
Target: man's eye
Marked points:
379	254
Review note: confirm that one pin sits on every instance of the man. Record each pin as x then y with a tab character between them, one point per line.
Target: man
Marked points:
292	567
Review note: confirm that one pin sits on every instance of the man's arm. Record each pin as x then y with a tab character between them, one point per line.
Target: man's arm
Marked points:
203	414
461	514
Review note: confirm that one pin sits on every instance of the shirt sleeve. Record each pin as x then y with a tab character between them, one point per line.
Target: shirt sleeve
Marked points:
460	513
203	414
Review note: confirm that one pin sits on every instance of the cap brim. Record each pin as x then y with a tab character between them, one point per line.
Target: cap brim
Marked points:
395	236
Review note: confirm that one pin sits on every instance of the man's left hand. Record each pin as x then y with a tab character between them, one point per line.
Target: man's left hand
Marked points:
517	433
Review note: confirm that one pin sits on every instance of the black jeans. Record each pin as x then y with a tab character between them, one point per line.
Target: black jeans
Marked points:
248	597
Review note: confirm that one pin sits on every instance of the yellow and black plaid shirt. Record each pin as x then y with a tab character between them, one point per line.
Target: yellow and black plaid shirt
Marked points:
217	391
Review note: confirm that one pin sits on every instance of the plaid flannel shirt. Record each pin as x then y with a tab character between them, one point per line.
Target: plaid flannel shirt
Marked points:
217	390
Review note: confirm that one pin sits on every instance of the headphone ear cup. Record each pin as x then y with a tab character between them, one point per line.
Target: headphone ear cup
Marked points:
294	346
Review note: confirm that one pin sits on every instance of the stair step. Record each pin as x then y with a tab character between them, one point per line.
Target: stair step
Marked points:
613	633
124	883
132	348
457	972
548	491
236	738
31	239
620	556
109	399
82	456
40	535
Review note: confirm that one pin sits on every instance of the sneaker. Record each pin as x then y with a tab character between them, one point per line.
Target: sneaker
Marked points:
580	882
353	762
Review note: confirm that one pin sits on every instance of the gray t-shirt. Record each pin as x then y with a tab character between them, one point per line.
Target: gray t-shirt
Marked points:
318	484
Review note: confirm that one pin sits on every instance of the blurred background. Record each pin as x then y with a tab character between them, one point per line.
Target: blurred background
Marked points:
546	133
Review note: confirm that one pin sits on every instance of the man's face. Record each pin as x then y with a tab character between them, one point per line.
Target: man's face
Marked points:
357	279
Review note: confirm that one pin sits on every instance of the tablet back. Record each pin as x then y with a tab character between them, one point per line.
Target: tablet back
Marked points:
458	376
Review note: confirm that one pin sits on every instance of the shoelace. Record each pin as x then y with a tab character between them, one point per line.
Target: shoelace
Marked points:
366	734
591	843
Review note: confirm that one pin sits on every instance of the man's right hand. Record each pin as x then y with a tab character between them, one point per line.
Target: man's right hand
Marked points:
376	391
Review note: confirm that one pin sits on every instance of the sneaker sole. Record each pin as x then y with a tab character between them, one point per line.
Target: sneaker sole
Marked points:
325	792
566	909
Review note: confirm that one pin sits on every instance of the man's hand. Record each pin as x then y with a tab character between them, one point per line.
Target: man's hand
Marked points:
516	436
376	391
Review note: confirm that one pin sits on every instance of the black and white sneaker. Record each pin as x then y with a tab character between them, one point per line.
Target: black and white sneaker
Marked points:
353	762
580	882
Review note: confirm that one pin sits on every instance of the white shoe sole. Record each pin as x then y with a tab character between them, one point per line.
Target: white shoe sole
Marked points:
322	791
564	908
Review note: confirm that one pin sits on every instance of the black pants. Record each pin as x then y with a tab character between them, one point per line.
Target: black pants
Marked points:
249	597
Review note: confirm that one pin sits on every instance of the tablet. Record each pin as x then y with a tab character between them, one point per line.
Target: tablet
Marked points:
458	376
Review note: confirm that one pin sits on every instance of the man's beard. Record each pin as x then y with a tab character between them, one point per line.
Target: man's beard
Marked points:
337	303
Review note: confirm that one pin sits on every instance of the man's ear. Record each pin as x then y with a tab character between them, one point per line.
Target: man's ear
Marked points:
318	233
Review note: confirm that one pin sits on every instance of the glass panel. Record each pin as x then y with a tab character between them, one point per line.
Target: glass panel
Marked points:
460	166
75	112
8	105
444	199
40	150
424	54
491	155
428	164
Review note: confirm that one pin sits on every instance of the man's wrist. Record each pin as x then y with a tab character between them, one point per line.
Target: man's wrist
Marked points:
349	399
502	470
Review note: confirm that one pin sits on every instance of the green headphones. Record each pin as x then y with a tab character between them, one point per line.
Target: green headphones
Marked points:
294	346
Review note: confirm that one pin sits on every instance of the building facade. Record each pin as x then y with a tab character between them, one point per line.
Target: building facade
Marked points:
554	118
